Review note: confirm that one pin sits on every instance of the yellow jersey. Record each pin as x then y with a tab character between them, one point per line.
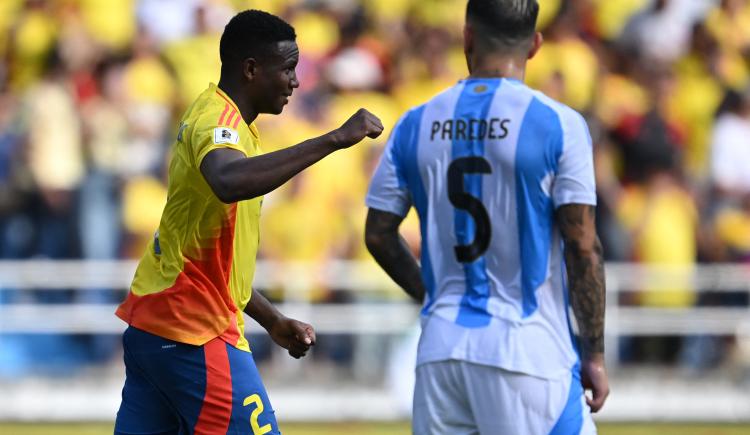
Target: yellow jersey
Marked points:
194	280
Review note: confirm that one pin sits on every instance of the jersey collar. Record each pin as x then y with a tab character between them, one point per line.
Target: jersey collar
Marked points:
223	95
226	98
489	79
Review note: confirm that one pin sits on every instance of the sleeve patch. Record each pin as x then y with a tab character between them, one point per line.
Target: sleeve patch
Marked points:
226	135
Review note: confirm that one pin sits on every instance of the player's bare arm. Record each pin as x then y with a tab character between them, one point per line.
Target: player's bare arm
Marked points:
291	334
234	177
585	267
392	253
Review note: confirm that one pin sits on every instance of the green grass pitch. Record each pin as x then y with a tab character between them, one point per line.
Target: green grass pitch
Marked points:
386	429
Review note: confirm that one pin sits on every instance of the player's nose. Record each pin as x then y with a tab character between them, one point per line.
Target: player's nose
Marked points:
294	83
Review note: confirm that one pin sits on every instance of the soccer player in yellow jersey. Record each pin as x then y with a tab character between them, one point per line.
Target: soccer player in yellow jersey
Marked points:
188	365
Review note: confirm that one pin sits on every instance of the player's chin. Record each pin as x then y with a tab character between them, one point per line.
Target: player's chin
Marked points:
279	107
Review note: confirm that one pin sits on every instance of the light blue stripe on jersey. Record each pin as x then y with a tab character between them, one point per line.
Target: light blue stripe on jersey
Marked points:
537	153
473	103
406	147
570	421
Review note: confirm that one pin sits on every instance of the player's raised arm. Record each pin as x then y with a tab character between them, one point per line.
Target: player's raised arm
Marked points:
391	252
585	267
234	177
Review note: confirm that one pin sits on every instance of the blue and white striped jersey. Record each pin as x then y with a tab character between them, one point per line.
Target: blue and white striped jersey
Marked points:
486	163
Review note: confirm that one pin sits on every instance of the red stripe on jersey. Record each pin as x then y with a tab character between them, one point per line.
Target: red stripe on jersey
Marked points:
231	116
226	99
217	401
223	114
198	306
231	335
237	121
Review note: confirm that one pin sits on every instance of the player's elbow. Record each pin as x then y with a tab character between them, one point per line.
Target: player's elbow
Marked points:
223	189
381	231
377	240
373	240
226	198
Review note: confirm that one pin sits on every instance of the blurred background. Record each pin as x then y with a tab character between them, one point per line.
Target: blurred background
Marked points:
90	95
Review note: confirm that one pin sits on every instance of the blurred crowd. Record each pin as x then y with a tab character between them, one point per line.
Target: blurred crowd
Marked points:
90	92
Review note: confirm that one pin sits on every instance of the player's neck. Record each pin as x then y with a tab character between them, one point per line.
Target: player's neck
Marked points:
509	67
235	93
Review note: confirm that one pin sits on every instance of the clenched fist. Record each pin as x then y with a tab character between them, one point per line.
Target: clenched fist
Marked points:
293	335
361	124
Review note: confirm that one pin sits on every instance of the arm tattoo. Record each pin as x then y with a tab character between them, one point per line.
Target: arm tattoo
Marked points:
585	267
392	253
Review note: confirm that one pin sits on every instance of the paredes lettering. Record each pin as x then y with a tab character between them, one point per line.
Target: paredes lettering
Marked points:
470	129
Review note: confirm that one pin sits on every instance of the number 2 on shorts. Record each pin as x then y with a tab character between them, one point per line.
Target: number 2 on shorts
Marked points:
255	399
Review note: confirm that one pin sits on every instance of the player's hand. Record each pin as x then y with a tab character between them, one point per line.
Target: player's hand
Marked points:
362	124
594	378
293	335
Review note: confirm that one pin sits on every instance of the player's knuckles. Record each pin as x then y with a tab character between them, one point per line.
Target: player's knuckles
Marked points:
297	347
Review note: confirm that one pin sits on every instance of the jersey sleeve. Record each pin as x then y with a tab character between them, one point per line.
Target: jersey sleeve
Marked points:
209	135
388	189
574	182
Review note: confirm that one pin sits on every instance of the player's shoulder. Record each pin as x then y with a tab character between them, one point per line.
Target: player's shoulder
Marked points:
568	117
213	114
213	109
571	125
446	99
411	118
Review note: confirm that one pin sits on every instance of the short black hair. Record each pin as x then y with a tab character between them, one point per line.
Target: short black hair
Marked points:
249	33
503	24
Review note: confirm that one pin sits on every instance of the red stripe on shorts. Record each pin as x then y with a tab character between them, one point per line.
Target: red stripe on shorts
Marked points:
217	402
237	121
224	113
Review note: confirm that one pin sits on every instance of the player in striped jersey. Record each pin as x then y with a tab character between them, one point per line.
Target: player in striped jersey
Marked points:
503	182
188	365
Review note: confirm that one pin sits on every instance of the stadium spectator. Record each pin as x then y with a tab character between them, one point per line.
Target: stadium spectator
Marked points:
651	139
168	20
567	68
697	94
669	19
729	22
730	153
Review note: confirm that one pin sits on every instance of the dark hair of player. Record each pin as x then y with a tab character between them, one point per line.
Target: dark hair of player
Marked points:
506	25
250	33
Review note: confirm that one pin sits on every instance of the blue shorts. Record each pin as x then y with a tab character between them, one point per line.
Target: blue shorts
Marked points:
177	388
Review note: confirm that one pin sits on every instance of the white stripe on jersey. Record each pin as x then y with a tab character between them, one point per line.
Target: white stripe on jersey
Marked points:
486	163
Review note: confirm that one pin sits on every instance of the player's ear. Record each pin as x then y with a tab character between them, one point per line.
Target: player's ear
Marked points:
249	68
468	39
468	44
536	44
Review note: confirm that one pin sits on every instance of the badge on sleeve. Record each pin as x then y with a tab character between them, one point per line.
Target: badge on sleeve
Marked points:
226	135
